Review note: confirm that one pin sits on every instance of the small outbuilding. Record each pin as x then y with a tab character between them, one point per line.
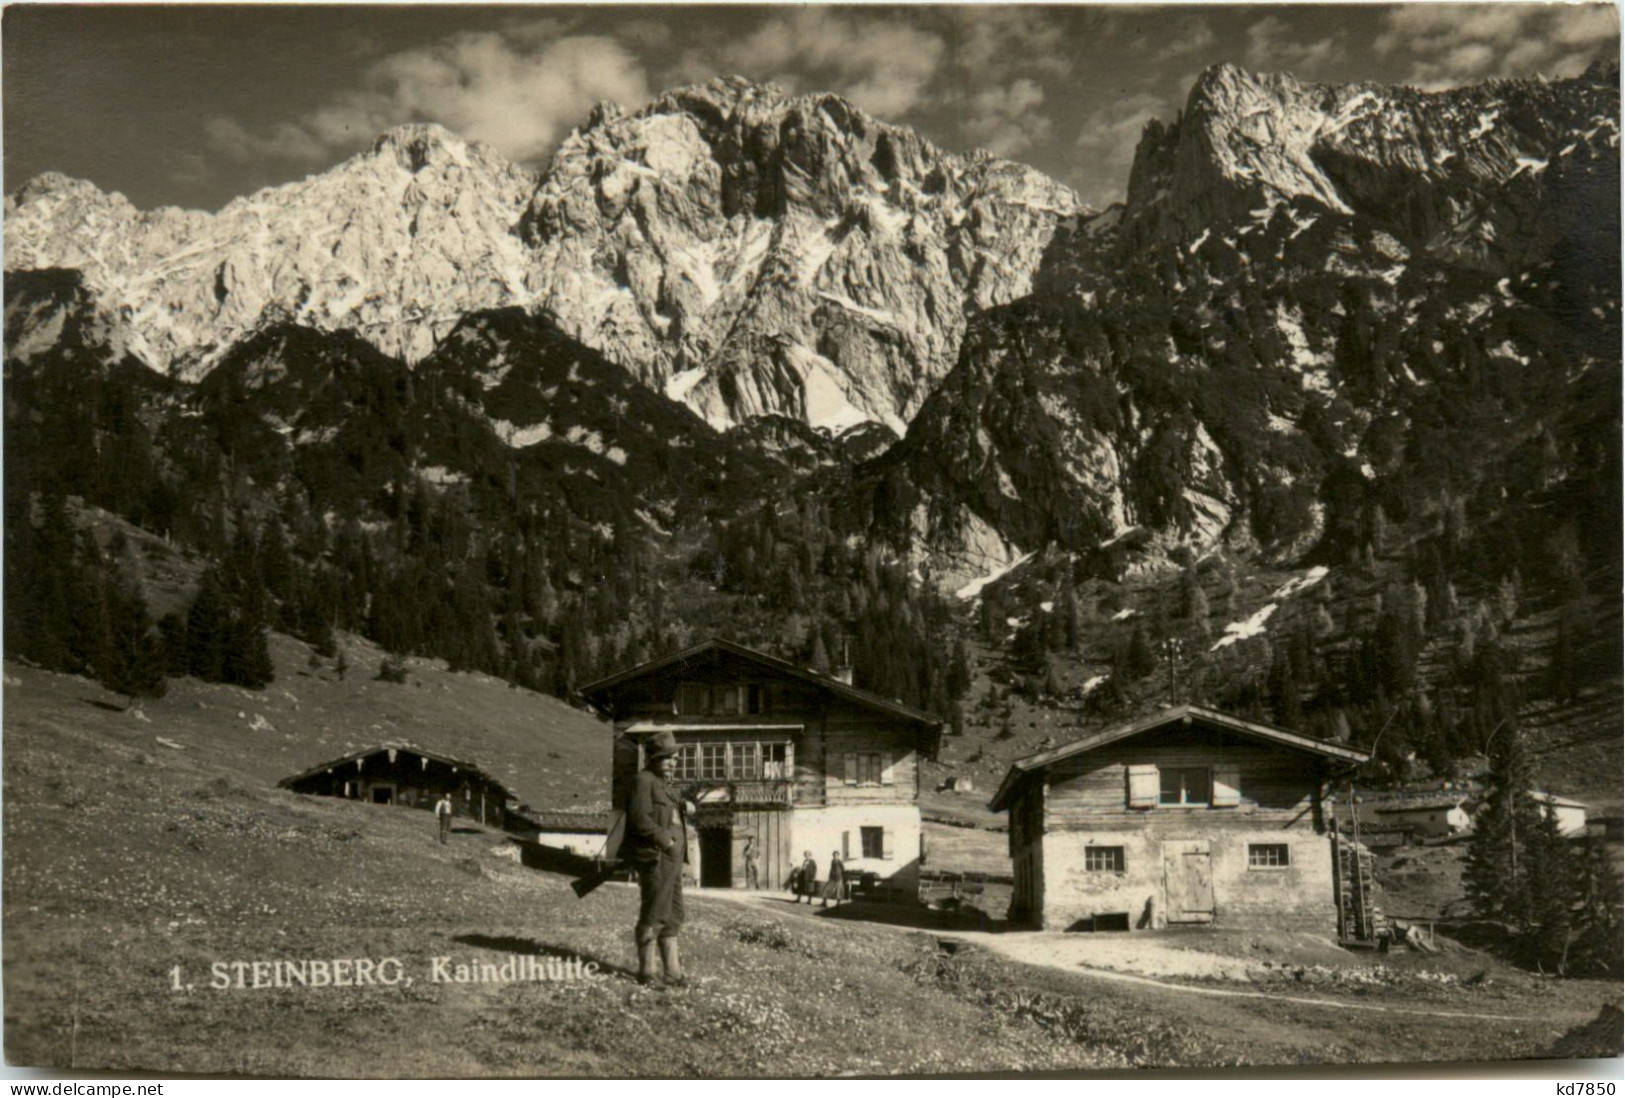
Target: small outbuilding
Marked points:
1430	817
572	832
408	775
1571	815
1186	816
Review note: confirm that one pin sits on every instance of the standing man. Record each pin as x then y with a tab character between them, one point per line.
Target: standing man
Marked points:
836	885
808	885
751	879
657	843
442	812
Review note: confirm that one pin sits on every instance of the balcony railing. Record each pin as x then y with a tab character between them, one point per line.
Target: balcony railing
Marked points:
771	791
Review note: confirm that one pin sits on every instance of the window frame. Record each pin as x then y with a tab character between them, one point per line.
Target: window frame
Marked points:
698	693
737	752
1163	773
1115	856
878	834
713	761
1255	851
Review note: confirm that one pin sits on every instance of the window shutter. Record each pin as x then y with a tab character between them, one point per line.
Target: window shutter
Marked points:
1143	786
1226	786
851	769
790	762
887	777
846	845
887	851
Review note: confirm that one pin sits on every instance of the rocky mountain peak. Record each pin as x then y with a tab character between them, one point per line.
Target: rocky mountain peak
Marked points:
755	253
1463	159
417	144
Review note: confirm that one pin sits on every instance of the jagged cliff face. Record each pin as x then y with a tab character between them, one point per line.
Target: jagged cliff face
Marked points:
1463	175
753	254
741	251
1308	288
395	244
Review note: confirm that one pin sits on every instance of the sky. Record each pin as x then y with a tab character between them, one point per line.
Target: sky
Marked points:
194	105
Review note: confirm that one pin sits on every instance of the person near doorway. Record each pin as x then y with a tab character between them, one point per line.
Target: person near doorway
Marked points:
752	881
657	843
835	886
807	883
442	813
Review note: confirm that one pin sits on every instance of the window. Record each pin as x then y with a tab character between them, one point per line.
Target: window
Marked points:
688	762
699	700
773	761
1184	785
874	841
867	769
714	761
1103	859
725	700
1268	856
693	700
743	763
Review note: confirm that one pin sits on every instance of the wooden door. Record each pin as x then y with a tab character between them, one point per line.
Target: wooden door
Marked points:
1187	871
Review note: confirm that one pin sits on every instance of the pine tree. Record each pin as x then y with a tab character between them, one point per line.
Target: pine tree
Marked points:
130	662
1283	691
819	661
1138	660
1562	673
208	625
248	654
1498	854
1551	885
1199	613
172	638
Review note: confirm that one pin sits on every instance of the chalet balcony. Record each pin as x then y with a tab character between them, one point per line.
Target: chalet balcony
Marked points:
753	791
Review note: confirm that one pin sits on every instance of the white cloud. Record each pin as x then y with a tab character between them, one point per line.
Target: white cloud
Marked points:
1110	135
881	63
1275	46
989	42
1454	44
1196	35
1007	120
520	92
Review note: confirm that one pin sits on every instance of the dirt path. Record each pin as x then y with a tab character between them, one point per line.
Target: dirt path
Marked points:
1106	959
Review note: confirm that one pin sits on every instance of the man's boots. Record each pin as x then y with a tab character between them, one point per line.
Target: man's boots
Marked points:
671	960
646	961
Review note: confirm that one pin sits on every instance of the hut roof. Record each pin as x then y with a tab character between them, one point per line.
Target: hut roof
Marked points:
405	748
1212	718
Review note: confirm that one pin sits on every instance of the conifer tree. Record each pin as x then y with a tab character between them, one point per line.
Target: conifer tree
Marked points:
1138	659
208	627
1498	854
1552	885
131	663
819	661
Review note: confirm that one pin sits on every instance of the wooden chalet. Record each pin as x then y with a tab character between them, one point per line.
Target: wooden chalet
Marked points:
1187	816
409	775
798	760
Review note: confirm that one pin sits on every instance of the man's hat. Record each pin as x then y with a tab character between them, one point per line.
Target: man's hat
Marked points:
662	745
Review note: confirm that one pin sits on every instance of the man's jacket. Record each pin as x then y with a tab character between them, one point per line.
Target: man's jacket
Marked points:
654	821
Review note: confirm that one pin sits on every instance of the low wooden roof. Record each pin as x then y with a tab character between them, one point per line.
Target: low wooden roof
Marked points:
1179	714
595	692
587	823
405	748
1454	800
